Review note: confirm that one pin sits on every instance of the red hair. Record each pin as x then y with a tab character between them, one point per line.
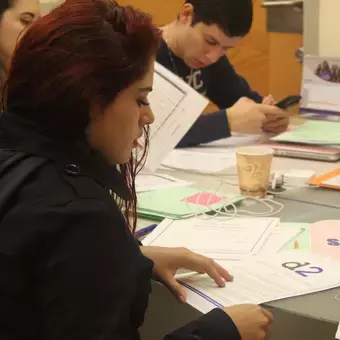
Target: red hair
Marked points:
83	52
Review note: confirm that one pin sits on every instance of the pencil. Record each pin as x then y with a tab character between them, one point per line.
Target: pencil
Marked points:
296	244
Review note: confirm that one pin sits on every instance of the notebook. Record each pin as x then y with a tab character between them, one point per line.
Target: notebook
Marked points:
313	132
181	202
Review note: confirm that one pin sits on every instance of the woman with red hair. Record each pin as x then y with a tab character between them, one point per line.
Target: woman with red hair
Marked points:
76	106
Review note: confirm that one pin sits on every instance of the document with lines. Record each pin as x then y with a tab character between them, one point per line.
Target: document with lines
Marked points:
262	279
218	239
176	107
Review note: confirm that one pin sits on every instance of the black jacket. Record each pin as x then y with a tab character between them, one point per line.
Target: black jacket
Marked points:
69	266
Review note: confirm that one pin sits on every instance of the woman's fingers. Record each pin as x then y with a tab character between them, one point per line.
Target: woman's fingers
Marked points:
202	264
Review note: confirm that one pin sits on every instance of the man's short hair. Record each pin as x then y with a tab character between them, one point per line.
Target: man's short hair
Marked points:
234	17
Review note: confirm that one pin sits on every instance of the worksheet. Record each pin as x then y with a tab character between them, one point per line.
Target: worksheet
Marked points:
216	238
262	279
176	107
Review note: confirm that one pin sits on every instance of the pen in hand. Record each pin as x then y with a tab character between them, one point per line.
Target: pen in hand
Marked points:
144	231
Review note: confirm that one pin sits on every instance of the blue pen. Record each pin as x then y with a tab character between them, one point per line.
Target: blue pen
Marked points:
144	231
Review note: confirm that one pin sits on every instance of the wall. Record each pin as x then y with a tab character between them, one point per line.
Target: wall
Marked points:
267	60
322	28
285	73
251	56
329	28
162	11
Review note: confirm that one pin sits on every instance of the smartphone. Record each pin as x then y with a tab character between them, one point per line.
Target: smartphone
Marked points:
288	102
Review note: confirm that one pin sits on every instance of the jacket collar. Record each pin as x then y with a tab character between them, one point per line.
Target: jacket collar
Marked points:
20	134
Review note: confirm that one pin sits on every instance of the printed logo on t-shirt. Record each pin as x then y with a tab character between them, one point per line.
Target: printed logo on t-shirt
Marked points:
194	79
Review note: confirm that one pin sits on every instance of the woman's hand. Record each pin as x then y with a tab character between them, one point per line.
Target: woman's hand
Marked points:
168	260
251	321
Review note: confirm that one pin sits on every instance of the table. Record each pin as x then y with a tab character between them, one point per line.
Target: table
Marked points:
310	317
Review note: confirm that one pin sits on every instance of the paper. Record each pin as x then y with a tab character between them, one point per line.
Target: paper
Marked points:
278	239
215	238
313	132
201	162
262	279
150	182
235	140
176	107
325	239
337	335
302	241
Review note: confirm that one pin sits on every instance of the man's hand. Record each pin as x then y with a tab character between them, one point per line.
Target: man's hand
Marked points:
269	100
168	260
246	116
252	321
274	124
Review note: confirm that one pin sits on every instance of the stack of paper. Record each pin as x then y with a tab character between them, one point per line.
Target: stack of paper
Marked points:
242	246
181	202
200	161
262	279
313	132
221	238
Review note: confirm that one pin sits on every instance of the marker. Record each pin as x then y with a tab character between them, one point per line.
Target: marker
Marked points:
144	231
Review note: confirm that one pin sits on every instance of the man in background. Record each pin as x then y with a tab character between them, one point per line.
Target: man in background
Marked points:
194	47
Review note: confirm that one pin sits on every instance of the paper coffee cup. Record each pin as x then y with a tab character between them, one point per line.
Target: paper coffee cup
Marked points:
253	167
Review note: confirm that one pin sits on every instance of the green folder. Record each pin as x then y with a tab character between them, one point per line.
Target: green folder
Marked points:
181	202
313	132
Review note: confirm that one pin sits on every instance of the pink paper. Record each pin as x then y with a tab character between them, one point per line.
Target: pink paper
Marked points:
203	198
325	238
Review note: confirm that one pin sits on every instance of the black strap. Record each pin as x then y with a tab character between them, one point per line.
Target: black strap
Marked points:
13	173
